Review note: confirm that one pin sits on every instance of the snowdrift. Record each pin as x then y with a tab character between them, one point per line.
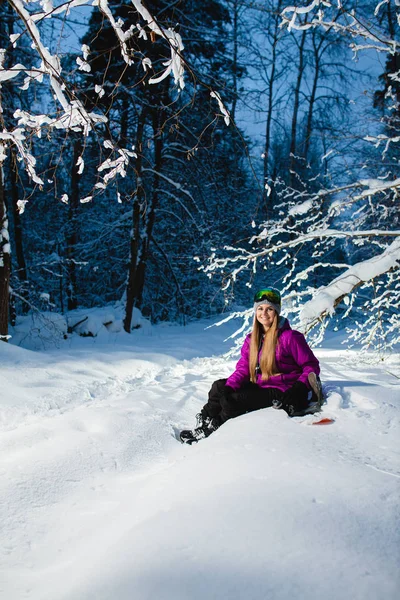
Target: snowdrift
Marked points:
100	502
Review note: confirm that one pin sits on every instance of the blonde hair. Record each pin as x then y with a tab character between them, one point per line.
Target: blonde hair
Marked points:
267	361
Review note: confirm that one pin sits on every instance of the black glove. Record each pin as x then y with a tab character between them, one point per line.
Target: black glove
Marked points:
295	399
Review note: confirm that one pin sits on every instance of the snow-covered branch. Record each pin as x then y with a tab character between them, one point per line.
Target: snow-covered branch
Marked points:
339	18
328	297
175	64
302	244
116	166
17	137
248	257
72	114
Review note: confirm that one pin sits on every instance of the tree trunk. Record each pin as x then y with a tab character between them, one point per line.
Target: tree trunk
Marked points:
235	58
391	19
293	141
5	250
235	174
312	101
140	252
151	212
123	136
19	249
72	232
5	263
268	127
267	199
131	291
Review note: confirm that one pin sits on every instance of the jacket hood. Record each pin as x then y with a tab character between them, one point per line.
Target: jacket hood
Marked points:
283	324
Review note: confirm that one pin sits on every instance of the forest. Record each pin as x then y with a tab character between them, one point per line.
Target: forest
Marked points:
163	165
171	156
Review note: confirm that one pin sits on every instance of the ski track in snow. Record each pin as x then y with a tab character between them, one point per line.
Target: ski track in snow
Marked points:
84	431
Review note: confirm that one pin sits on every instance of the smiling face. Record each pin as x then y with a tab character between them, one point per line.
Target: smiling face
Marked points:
265	315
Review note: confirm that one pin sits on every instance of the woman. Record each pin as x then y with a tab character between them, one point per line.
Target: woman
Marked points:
276	368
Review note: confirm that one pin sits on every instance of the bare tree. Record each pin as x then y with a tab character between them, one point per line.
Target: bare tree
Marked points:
304	241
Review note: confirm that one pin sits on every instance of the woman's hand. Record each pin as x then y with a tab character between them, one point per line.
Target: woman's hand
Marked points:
298	392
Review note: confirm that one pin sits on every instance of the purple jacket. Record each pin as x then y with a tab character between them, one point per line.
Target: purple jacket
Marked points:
294	361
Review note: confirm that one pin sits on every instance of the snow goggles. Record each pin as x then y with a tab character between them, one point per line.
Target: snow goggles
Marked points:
268	294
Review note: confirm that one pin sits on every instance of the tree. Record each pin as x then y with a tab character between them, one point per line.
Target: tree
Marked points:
68	112
169	134
305	237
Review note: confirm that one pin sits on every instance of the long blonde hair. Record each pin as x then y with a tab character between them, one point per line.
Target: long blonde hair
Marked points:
267	361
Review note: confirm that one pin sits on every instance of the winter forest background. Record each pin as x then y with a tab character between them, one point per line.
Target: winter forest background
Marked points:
167	156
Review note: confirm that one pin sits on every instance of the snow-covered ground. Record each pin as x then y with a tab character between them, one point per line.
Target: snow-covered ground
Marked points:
98	500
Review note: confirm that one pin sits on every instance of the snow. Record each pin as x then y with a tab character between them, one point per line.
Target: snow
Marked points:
377	185
99	90
11	73
302	208
222	107
116	166
100	502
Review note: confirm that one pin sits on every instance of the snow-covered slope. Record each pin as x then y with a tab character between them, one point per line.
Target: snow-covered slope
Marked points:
98	501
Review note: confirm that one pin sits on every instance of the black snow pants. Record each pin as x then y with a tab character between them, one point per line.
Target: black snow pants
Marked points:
225	403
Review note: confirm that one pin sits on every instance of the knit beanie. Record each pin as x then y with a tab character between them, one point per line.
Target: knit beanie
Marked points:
269	296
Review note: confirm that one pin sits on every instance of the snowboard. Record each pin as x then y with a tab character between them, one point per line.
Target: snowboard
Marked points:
315	419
